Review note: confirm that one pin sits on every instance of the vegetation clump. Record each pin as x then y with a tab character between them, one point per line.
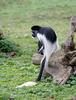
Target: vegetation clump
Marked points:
9	47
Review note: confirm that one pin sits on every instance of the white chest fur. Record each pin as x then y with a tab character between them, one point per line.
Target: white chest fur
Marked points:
40	36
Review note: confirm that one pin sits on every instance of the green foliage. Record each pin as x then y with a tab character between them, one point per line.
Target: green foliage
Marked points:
2	55
72	80
7	45
16	19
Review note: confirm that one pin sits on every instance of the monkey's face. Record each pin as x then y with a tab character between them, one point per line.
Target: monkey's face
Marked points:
34	33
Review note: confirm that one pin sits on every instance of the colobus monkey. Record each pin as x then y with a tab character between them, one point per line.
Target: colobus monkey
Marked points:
48	44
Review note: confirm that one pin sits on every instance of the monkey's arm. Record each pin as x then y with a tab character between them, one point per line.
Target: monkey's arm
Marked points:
41	50
40	47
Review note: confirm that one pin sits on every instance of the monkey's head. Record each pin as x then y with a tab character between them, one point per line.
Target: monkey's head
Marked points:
35	29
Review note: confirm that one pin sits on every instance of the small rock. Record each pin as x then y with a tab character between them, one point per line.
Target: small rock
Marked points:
36	59
73	98
18	45
52	97
11	98
0	51
26	35
12	53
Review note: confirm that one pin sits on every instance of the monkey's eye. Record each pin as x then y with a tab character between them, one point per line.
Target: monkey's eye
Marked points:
34	32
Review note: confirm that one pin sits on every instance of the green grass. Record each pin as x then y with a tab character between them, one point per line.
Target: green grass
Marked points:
16	19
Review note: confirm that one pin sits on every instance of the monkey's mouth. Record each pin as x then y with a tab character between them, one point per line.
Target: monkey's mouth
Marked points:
33	35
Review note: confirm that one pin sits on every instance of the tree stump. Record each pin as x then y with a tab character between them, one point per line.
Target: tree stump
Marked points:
63	62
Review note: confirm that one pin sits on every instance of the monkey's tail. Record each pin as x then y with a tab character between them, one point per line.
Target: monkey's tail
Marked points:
30	83
41	69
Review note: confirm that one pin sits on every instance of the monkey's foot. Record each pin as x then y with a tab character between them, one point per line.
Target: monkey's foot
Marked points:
27	84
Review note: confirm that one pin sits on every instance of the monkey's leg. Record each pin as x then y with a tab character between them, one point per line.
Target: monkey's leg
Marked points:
41	69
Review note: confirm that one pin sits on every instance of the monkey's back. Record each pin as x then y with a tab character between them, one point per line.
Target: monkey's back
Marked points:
49	33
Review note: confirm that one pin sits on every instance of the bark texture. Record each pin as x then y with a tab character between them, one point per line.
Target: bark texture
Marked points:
63	62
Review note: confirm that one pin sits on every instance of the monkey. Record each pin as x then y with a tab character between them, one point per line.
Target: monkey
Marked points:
48	44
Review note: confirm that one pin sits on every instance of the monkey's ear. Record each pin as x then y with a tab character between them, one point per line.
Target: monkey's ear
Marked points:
36	27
